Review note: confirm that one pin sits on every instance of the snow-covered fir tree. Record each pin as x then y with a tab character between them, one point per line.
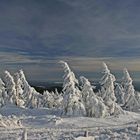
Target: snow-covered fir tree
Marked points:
86	89
129	97
3	94
119	93
107	91
19	90
127	85
48	98
94	105
137	96
52	99
72	99
10	88
58	98
32	98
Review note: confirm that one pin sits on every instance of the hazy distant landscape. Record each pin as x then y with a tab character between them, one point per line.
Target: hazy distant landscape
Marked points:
51	86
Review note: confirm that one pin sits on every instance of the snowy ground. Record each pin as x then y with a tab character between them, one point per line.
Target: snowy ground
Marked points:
42	124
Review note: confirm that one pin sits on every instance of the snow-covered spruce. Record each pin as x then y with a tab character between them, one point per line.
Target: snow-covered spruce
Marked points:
48	99
107	91
32	99
58	99
137	96
52	99
119	93
10	88
3	94
93	104
130	101
72	99
19	90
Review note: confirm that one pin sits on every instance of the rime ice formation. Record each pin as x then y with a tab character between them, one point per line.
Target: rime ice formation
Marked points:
72	99
31	97
130	99
3	94
94	105
10	88
19	90
107	91
119	93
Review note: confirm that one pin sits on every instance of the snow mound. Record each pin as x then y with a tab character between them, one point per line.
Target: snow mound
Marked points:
56	120
10	121
85	138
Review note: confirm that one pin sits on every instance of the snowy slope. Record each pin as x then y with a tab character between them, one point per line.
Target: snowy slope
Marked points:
26	114
43	124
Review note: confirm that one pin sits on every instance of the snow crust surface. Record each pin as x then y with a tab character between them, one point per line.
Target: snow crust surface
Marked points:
43	124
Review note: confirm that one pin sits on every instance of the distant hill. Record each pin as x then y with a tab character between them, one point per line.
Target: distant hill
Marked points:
51	86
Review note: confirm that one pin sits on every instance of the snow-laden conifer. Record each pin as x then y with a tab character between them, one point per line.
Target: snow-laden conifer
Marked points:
107	91
19	90
129	97
94	105
119	93
48	98
52	99
127	85
72	99
32	98
10	88
58	98
3	94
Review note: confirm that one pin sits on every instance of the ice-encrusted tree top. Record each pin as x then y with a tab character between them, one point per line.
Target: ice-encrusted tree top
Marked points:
105	69
69	75
18	83
107	83
23	78
3	94
126	77
131	102
9	80
70	81
27	90
10	87
2	84
2	88
127	85
19	90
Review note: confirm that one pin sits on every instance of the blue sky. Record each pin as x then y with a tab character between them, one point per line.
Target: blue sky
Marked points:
36	34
